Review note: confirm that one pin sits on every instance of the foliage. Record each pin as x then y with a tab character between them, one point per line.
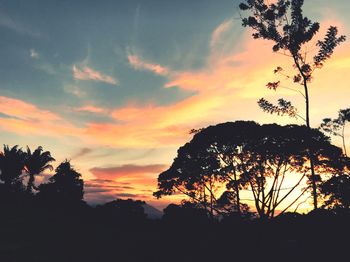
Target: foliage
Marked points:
283	107
12	162
337	190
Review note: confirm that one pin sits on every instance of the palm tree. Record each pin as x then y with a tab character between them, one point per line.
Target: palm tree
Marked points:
11	166
36	163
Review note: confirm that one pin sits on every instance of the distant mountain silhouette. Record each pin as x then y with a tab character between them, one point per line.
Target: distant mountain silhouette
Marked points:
152	212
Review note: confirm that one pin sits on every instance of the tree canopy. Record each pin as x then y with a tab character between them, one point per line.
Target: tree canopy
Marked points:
222	160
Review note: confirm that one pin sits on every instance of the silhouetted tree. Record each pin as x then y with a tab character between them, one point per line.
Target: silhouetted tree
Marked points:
36	162
11	166
64	188
336	127
245	155
283	23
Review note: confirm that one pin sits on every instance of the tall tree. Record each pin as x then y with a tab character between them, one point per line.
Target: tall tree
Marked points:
11	166
336	127
283	23
36	162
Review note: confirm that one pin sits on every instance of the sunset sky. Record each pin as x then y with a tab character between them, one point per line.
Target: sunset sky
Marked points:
116	86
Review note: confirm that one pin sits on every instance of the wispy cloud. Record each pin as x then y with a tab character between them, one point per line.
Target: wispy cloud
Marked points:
139	64
87	73
91	109
74	90
218	34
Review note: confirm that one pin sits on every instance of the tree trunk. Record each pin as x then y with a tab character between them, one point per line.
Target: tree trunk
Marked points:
238	204
343	138
311	157
211	201
307	119
30	183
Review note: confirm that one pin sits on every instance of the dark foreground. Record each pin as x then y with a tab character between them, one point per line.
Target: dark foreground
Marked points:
84	235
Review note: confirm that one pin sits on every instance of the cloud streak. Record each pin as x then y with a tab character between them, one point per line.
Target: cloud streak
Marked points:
219	33
139	64
87	73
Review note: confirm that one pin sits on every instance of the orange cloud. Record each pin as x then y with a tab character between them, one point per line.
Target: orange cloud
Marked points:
87	73
137	63
27	119
22	110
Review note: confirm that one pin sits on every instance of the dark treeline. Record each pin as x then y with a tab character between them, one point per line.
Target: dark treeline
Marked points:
50	221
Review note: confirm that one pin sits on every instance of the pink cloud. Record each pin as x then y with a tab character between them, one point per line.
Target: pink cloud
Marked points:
137	63
87	73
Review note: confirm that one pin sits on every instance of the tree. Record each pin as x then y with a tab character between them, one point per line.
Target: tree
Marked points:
336	127
11	166
36	163
64	188
290	31
223	160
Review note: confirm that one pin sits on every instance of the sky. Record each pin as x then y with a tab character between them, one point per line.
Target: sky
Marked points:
116	86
